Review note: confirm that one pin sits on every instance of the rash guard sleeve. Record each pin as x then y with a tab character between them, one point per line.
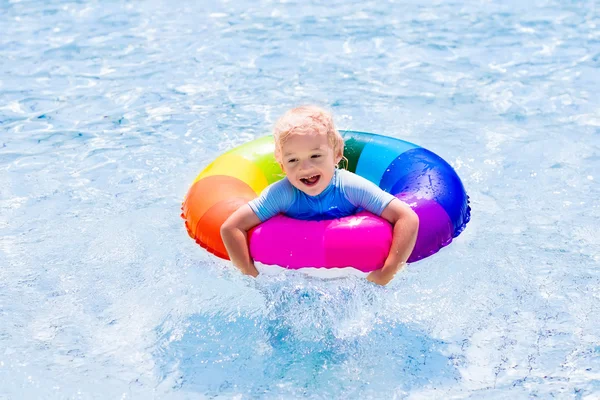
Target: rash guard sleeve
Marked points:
364	193
274	199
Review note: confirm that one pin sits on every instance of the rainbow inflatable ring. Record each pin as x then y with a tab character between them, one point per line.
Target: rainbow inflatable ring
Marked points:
413	174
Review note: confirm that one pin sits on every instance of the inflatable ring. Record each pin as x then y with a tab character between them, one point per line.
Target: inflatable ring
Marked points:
418	177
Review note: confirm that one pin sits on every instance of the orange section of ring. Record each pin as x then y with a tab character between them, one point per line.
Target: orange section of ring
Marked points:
209	202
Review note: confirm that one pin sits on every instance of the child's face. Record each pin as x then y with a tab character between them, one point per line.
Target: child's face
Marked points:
309	162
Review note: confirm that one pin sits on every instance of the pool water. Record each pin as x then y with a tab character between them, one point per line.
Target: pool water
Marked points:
108	110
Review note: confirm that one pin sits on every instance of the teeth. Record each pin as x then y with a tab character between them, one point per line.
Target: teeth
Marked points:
310	179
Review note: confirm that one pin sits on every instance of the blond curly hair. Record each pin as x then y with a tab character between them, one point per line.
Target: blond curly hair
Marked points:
306	120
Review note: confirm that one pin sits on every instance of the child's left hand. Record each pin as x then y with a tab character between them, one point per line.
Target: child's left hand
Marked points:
384	275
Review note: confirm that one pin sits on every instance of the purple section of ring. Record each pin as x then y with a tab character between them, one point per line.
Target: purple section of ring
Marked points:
435	227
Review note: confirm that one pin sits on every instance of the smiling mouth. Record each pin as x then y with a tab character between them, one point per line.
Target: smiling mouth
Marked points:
311	180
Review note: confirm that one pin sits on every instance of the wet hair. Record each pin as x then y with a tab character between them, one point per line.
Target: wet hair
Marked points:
305	120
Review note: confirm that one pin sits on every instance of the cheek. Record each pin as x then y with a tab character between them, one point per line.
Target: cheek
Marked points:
326	161
288	168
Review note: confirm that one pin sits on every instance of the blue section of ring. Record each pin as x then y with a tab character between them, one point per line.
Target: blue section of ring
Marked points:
379	152
426	175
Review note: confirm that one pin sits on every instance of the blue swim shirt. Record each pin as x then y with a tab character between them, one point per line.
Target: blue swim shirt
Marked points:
346	194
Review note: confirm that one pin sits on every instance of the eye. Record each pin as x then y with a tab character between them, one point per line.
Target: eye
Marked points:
315	156
292	160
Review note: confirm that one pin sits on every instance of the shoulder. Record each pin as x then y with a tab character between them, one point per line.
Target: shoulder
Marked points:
275	198
363	193
281	193
282	187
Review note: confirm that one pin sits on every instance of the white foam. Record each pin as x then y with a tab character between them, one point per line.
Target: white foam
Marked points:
325	273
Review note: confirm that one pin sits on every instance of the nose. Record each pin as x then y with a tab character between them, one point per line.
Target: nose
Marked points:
304	164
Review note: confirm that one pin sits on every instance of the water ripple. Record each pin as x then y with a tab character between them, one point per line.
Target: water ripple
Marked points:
108	110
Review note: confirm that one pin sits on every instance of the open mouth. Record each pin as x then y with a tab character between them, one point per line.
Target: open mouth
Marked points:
311	180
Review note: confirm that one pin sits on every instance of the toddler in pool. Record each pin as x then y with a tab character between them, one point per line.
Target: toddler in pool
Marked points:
308	147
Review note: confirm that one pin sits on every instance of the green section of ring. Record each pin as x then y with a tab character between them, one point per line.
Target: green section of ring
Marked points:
261	153
377	153
354	143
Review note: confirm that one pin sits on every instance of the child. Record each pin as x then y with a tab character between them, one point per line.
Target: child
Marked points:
308	147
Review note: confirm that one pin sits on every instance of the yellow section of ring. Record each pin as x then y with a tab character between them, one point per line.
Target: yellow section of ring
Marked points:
238	167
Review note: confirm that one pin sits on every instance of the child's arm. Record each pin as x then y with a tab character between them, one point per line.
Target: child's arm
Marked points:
234	233
406	226
365	194
275	199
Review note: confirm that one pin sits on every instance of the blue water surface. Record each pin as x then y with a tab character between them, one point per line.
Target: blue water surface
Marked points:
109	109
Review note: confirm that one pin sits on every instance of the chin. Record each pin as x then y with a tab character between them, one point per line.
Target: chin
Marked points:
311	191
315	192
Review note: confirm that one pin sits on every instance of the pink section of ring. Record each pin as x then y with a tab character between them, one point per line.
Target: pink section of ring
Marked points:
361	241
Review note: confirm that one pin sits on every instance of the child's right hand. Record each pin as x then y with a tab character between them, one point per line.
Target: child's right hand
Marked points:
252	271
234	233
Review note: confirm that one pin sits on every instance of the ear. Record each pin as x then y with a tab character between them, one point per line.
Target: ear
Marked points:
277	155
280	163
339	150
339	154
